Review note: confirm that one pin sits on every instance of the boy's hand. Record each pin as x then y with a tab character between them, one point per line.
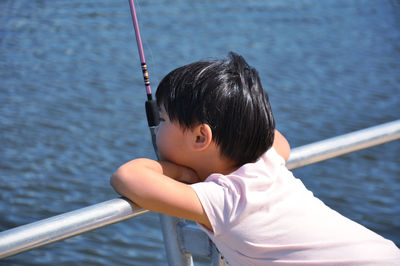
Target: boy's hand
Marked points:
179	172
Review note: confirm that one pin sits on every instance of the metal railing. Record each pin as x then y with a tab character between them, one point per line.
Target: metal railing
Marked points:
336	146
40	233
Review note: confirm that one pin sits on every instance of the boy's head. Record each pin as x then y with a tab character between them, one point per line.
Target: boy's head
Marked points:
228	96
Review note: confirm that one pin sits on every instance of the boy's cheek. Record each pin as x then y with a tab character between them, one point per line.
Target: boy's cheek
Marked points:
164	151
159	144
157	131
160	147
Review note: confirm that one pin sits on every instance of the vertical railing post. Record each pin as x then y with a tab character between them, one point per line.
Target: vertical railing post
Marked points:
175	255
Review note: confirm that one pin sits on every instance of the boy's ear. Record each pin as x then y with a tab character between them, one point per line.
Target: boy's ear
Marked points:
202	137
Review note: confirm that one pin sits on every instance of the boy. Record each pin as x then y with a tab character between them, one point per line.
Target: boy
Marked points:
223	166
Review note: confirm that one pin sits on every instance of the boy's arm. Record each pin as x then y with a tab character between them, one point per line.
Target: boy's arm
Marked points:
157	186
281	145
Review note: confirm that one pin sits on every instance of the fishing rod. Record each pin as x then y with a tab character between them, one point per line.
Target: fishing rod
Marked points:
152	113
168	224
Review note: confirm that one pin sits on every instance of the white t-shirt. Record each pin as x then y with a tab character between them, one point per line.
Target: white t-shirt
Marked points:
262	215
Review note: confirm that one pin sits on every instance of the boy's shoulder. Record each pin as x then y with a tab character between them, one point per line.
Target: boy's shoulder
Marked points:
266	166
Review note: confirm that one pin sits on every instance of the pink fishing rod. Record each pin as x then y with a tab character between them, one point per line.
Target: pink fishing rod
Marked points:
140	49
151	106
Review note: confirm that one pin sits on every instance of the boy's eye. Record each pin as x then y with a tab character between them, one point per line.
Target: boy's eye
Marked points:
161	117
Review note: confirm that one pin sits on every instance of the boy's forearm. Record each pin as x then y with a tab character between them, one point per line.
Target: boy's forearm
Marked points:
126	179
144	166
135	177
138	179
144	182
130	174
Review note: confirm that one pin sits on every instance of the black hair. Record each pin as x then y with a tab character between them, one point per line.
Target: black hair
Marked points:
228	96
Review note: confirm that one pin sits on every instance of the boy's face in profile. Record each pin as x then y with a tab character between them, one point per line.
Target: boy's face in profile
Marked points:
172	140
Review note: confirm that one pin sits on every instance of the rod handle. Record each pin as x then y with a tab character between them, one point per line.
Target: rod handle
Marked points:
153	118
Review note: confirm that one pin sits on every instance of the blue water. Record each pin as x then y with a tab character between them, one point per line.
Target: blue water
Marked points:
71	104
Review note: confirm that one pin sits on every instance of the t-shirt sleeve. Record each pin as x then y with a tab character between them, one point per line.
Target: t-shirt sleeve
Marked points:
214	200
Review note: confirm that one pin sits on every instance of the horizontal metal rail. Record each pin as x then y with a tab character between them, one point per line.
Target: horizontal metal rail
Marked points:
47	231
343	144
40	233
